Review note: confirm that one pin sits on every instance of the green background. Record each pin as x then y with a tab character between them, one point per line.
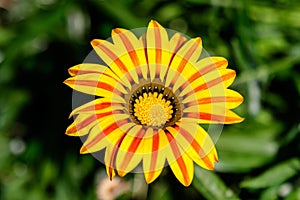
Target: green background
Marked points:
41	39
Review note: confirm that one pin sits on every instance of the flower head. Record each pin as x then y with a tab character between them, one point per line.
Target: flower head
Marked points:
153	92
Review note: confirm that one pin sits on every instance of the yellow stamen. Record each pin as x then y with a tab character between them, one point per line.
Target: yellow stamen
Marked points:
152	109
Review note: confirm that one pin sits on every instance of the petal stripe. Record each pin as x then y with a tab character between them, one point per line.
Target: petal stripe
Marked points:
104	133
211	83
196	146
155	145
131	51
132	148
184	61
215	99
210	117
177	155
114	57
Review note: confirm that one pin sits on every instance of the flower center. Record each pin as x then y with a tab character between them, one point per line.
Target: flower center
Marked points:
152	109
154	105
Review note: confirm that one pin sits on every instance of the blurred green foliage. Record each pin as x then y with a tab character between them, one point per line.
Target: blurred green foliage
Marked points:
41	39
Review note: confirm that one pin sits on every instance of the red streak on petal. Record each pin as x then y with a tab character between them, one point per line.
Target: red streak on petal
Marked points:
105	86
129	47
179	44
98	106
132	149
91	84
78	126
158	48
216	99
213	66
136	141
196	146
210	117
114	57
184	61
195	76
154	155
178	156
114	152
187	56
110	172
111	55
215	81
105	132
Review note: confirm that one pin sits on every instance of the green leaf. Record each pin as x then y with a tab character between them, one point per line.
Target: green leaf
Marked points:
274	176
270	193
211	186
294	194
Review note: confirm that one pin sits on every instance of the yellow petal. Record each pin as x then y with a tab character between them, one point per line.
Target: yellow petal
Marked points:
208	64
196	143
106	132
176	42
96	84
158	52
81	125
109	159
181	164
215	82
210	114
98	106
154	158
135	53
231	99
197	72
87	68
130	152
186	55
117	59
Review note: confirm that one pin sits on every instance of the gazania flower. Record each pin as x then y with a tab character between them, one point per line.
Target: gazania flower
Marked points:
153	92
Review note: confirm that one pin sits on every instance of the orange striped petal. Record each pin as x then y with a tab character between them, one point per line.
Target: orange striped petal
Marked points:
109	158
185	58
111	151
181	164
208	64
106	132
210	114
213	83
196	143
176	42
81	125
155	149
196	71
231	99
98	106
158	52
117	59
90	114
87	68
135	54
96	84
130	152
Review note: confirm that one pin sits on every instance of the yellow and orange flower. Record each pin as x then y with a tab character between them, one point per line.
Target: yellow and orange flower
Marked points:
153	92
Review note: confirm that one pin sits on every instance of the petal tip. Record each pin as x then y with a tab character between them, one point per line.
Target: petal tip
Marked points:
154	23
122	173
95	42
198	40
116	31
84	150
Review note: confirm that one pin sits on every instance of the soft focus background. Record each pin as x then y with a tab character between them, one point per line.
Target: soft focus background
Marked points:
41	39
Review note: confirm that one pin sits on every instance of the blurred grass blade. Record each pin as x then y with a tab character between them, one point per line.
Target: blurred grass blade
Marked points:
275	175
211	186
